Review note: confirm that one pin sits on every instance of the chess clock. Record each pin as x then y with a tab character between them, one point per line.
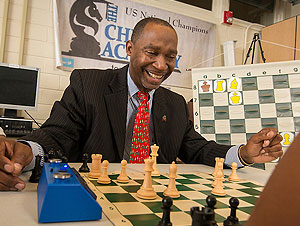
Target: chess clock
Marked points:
64	196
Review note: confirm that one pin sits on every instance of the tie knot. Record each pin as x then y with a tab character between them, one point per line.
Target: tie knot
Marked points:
143	96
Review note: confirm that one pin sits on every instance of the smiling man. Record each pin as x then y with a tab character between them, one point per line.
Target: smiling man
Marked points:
120	113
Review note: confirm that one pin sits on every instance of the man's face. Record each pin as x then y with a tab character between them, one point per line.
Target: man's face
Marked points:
152	56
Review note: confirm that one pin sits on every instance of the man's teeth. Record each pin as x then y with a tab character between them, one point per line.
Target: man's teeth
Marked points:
155	76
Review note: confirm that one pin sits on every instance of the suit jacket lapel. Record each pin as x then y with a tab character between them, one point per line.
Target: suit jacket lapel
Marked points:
159	116
116	103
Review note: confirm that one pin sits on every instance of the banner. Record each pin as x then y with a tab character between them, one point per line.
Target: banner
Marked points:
93	34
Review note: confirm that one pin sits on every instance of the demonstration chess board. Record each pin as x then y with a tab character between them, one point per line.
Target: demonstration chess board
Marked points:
122	206
233	103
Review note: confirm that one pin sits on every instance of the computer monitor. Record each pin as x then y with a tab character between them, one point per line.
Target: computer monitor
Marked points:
18	88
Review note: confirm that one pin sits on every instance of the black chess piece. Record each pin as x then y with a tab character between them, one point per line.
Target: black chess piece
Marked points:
84	168
232	220
205	217
167	203
211	201
37	170
197	216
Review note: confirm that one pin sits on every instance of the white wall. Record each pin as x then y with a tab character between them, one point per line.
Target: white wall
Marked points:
39	43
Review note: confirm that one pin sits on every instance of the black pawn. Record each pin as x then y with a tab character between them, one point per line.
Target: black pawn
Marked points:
37	170
211	201
232	220
84	168
167	203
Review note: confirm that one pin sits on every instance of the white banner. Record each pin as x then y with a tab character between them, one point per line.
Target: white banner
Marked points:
92	34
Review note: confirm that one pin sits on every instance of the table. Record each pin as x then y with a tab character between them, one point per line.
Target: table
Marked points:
20	208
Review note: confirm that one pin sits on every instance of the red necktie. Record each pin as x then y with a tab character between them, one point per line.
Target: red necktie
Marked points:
140	137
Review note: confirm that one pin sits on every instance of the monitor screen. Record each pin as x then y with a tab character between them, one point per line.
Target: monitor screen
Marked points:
18	87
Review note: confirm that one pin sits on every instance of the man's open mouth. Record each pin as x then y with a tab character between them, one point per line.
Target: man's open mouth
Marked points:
154	75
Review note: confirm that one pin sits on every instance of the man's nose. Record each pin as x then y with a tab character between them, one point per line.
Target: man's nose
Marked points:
160	63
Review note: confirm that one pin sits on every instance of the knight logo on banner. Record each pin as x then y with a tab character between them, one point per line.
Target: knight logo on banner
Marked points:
93	34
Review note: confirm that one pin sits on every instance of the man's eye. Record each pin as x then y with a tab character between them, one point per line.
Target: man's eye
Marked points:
151	53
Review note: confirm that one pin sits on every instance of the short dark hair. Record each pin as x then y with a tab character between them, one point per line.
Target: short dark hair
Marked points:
139	27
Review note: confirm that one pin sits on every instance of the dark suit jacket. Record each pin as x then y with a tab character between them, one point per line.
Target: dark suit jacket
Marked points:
91	118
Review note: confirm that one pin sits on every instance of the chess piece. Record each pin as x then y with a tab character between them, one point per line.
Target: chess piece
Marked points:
233	176
154	150
84	168
123	178
216	166
205	87
171	190
220	166
232	220
211	201
219	188
165	220
206	216
96	166
146	191
104	178
37	170
219	169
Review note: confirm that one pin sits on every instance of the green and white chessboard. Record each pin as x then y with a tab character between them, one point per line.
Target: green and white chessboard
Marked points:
233	103
122	206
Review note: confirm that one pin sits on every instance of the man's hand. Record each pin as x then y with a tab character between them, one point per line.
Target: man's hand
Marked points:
262	147
14	156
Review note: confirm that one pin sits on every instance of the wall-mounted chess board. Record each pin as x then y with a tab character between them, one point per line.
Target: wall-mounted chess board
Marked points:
121	205
233	103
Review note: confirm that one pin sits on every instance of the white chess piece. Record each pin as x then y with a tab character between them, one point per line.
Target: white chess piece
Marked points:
104	178
233	176
216	166
220	169
171	190
219	188
154	150
146	191
123	178
96	166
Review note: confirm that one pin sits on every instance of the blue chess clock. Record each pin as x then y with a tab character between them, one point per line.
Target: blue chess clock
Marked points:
64	196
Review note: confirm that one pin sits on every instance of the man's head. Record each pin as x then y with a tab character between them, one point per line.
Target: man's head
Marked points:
152	50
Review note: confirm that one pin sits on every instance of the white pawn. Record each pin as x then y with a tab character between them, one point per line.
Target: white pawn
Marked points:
171	190
154	150
146	191
123	178
219	188
104	178
96	166
233	176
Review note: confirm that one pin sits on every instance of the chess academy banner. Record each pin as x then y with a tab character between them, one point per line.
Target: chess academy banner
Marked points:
93	34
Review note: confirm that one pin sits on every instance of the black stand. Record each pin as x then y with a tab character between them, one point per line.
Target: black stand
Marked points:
10	113
255	38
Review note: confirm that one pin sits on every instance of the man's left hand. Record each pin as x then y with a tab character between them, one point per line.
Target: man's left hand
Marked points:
262	147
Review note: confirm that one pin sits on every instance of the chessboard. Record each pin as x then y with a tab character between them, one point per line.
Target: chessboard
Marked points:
233	103
121	205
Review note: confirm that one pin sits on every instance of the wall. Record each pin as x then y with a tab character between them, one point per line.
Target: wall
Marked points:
39	43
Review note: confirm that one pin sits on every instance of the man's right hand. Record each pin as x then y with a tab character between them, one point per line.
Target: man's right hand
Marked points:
14	156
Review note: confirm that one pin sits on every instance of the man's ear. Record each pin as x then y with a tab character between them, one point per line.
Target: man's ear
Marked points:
129	47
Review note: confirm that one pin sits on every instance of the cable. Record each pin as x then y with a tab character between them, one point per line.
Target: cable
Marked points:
37	123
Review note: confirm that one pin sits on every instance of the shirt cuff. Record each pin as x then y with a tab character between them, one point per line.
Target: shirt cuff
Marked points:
232	155
36	150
